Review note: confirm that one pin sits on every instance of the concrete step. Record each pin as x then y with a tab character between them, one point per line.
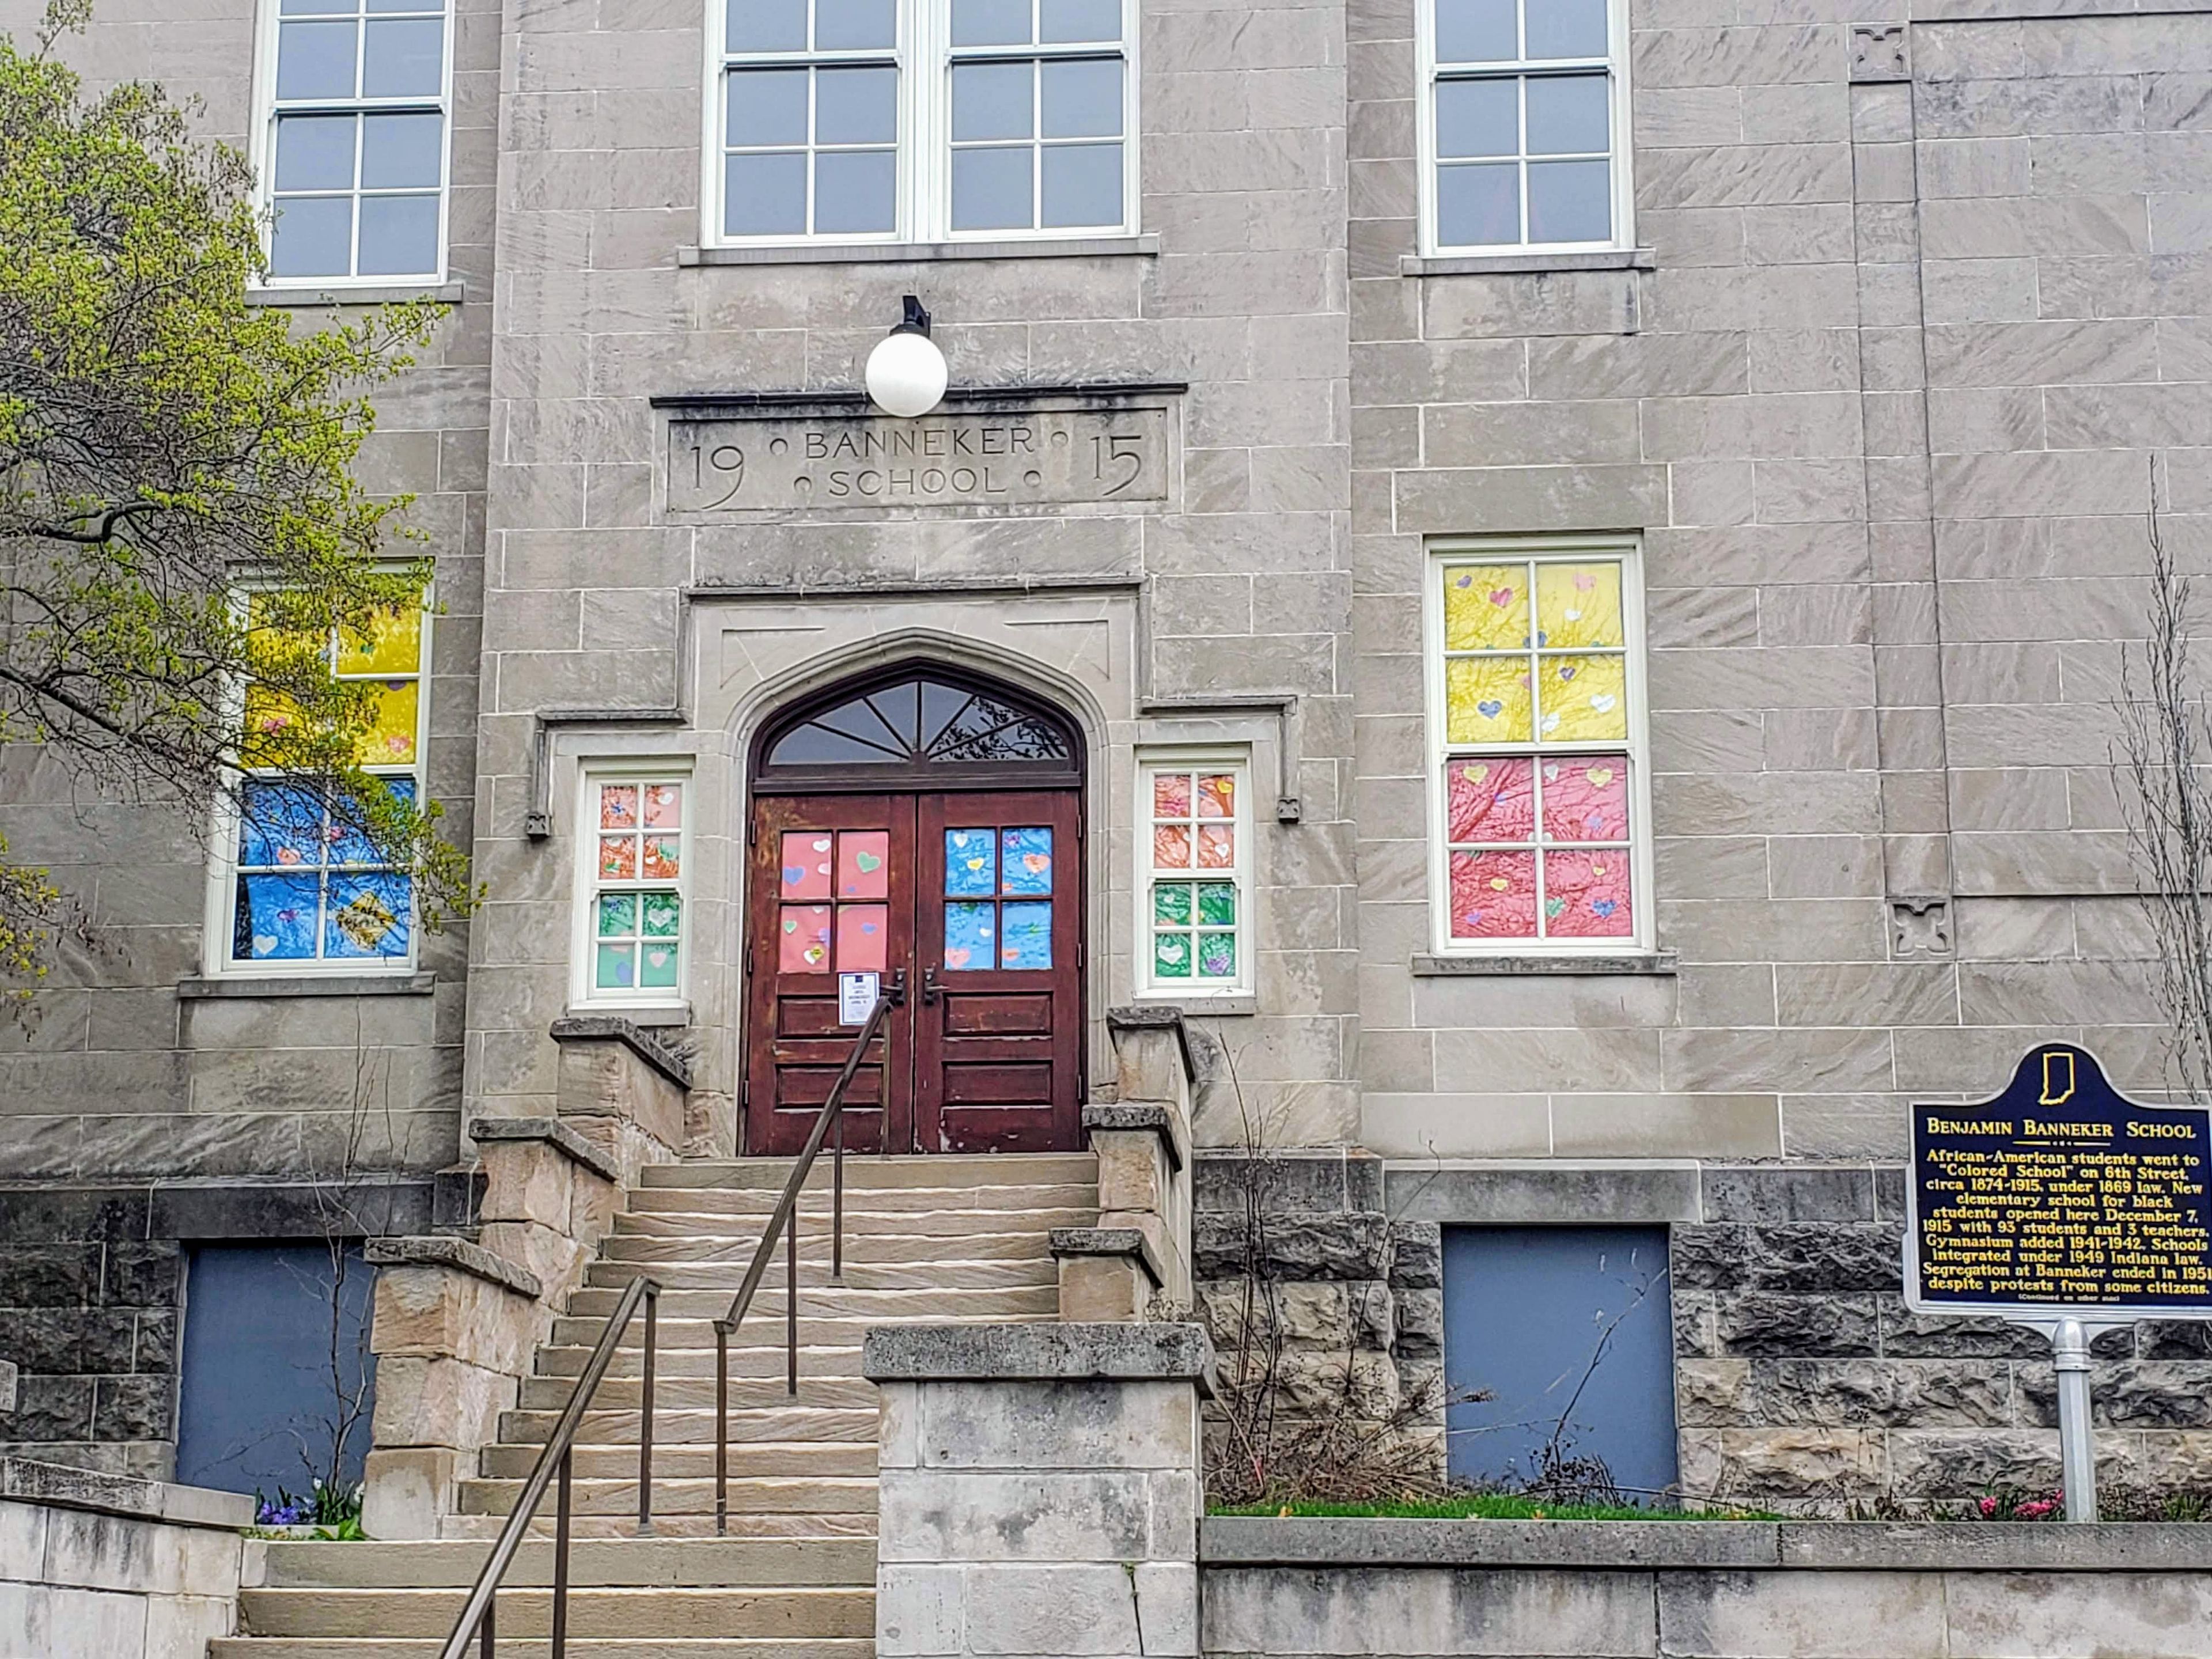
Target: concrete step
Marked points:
749	1357
689	1244
743	1231
765	1563
685	1495
629	1613
1032	1267
705	1647
676	1393
869	1172
745	1526
749	1459
764	1325
904	1205
694	1426
1034	1301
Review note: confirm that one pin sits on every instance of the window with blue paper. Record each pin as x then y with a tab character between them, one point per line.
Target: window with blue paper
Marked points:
306	887
998	899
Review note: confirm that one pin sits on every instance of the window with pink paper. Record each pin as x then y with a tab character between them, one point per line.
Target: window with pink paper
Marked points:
1537	762
637	830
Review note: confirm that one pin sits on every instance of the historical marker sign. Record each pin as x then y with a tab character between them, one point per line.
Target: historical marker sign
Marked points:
2060	1199
777	461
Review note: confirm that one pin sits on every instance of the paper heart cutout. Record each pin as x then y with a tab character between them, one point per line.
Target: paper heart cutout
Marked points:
1472	918
1574	616
957	956
815	953
822	846
975	863
1501	596
1553	907
1551	722
1490	708
792	875
1036	863
959	838
1552	774
868	926
1013	953
1603	702
1566	670
287	855
1600	775
1602	906
1594	824
1476	773
1464	581
656	959
790	927
1585	581
1498	883
868	863
263	943
1597	869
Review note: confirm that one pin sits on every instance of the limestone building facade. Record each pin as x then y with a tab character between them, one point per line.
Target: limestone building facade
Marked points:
1553	575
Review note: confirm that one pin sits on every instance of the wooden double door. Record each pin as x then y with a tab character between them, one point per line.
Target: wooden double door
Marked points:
971	903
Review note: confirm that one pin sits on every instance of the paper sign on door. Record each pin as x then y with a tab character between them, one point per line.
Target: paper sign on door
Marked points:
856	997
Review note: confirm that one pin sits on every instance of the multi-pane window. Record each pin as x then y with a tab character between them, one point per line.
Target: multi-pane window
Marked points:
306	887
1525	121
853	119
356	144
635	841
1539	765
1194	902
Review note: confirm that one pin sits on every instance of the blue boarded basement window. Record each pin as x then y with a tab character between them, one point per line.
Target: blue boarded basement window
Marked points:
1569	1331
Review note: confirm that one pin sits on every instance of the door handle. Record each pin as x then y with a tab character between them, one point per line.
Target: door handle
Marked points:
896	989
929	987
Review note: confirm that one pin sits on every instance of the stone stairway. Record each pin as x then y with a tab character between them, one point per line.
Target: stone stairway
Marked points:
927	1240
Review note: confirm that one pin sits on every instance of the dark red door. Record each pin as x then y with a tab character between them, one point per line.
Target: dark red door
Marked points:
831	891
998	1028
976	899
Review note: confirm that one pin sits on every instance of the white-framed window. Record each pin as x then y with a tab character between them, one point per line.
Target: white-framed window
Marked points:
1195	891
634	860
1538	788
294	888
1524	124
351	145
920	120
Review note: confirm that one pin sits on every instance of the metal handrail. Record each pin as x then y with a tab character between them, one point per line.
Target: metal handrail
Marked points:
478	1618
784	1219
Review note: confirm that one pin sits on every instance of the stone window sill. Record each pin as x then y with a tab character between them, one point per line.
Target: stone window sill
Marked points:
390	293
199	986
674	1014
827	254
1510	264
1204	1008
1427	966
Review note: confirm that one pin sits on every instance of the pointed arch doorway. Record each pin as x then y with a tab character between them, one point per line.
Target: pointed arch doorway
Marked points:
924	825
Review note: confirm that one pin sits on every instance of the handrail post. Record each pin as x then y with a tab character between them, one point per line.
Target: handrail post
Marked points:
485	1636
645	1417
560	1558
722	1428
837	1207
791	1303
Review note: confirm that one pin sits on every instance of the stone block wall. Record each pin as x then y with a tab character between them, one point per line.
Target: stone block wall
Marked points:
1039	1489
97	1567
1801	1379
1349	1301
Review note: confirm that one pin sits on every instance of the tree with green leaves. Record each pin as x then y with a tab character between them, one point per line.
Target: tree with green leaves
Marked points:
185	554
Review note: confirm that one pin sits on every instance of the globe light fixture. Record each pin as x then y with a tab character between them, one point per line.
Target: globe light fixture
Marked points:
907	373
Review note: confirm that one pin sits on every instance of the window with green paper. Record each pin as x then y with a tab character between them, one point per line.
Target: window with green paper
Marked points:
635	851
1194	924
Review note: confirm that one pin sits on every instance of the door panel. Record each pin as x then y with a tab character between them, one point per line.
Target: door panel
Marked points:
831	890
998	1023
977	899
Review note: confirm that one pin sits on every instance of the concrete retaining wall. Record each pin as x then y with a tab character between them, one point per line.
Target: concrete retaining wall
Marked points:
1705	1590
93	1567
